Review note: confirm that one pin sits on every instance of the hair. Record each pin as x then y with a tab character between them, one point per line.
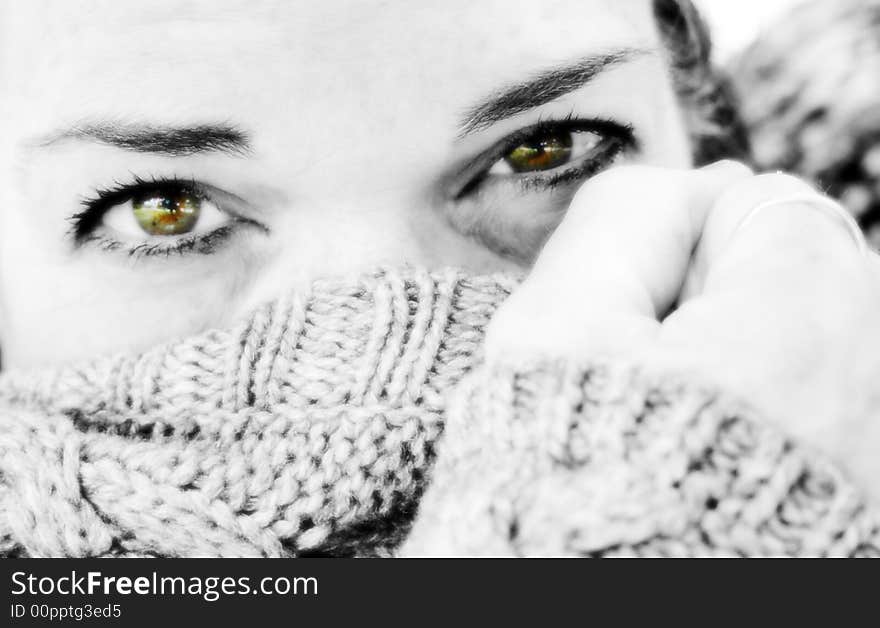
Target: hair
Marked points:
811	103
706	94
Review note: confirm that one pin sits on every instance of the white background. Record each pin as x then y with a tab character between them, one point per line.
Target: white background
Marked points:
736	22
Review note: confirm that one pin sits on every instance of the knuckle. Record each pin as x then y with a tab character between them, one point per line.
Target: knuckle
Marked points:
735	168
781	183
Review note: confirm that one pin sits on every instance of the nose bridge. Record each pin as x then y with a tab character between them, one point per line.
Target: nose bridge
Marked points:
335	235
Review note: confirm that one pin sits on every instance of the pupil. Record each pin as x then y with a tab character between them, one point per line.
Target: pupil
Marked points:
165	214
544	153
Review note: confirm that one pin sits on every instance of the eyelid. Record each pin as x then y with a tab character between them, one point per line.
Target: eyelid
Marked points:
469	175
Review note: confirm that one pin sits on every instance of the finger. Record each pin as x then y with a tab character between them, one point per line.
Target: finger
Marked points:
618	259
800	241
778	288
778	283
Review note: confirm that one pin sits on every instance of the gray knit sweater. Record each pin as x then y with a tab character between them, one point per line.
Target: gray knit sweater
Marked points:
357	419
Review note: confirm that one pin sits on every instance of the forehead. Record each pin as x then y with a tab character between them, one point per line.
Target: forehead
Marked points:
209	54
322	24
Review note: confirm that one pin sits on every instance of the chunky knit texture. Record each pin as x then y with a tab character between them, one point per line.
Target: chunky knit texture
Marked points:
312	428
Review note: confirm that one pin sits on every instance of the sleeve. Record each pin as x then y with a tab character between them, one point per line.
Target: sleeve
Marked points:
607	460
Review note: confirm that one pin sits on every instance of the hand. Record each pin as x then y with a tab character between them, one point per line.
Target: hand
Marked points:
782	309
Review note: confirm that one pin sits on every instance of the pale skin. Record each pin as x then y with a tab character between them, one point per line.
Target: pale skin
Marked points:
361	141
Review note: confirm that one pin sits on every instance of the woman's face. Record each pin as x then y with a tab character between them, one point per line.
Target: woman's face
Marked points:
172	164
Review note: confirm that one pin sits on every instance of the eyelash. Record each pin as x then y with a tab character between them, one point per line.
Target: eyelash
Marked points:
617	138
85	222
206	244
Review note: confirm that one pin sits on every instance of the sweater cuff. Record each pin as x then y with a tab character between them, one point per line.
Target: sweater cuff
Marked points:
607	460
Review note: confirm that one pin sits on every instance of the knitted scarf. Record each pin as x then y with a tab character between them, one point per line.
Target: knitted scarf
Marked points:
357	419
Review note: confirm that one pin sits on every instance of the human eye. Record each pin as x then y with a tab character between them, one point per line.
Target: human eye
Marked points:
160	216
511	196
555	148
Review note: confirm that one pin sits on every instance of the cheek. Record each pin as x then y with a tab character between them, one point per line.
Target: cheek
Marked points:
60	305
77	311
441	245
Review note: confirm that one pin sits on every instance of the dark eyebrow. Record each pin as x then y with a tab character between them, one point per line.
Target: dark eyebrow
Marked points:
166	140
541	89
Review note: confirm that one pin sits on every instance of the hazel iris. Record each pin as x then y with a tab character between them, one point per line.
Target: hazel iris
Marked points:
167	214
542	153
